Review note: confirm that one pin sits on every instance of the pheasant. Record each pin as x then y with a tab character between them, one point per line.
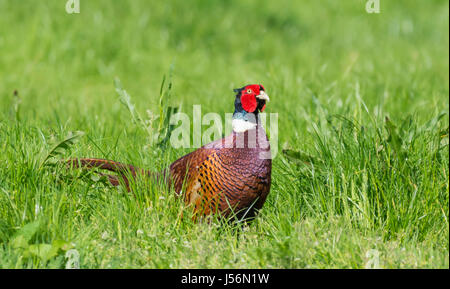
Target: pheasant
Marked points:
230	176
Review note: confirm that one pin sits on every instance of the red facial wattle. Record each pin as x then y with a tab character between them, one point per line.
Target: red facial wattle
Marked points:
252	98
248	98
249	102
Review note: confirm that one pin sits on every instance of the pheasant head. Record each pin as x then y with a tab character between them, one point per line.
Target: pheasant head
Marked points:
250	101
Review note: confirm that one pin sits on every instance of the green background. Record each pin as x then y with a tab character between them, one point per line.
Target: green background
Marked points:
351	181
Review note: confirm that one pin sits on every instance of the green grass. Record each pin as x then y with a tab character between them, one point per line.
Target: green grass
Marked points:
370	185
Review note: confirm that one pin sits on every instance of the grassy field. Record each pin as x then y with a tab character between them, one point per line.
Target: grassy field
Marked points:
362	103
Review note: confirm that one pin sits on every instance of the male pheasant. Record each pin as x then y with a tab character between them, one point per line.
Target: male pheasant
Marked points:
231	176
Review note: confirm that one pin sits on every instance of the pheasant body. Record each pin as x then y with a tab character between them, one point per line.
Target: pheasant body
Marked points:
228	179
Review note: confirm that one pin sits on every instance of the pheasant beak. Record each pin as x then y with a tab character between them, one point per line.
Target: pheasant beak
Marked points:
263	95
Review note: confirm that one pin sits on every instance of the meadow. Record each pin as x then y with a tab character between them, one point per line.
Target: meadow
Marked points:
361	178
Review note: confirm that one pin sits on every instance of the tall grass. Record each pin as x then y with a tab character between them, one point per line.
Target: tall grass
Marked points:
361	178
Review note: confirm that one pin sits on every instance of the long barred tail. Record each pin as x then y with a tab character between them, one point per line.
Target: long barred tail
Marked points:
123	170
109	165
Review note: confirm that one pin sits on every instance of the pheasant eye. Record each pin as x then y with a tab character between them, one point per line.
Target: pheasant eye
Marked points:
249	90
